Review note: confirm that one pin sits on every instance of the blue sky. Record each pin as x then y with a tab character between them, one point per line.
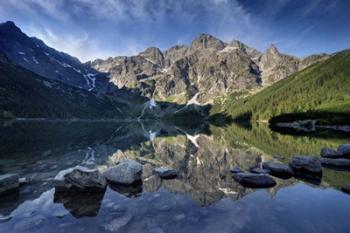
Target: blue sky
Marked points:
90	29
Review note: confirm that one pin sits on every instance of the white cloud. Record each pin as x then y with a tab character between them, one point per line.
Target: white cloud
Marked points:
91	29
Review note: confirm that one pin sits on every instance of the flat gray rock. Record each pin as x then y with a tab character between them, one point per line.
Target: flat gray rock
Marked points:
310	164
8	182
278	169
253	180
126	172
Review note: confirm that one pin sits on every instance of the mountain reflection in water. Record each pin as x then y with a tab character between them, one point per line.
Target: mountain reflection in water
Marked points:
203	198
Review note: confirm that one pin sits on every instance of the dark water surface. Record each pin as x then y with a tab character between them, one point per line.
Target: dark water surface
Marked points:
204	197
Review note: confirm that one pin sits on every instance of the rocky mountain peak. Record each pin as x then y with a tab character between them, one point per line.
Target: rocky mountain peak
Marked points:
9	28
236	44
200	72
204	41
272	49
8	24
154	55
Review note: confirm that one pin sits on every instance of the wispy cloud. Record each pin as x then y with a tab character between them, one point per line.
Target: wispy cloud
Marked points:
90	29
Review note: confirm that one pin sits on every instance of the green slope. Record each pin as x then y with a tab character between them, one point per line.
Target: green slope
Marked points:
26	94
320	91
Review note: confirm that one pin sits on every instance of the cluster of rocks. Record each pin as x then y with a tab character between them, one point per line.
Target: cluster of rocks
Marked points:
339	158
302	167
299	166
88	185
125	173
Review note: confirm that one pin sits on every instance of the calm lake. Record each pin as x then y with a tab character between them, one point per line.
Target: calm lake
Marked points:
203	198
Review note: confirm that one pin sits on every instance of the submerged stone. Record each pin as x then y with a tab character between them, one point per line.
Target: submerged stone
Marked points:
253	180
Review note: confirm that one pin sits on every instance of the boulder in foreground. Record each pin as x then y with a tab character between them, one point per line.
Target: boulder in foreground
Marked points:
252	180
80	179
126	172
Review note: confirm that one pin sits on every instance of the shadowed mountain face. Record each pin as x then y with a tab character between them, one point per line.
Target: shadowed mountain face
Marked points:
26	94
201	72
33	54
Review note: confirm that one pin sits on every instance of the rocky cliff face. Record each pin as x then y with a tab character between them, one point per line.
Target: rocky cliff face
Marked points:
198	73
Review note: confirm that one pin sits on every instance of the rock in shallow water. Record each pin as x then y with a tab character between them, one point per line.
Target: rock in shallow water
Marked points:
253	180
330	153
278	169
340	163
126	172
80	179
8	182
310	164
346	189
165	172
344	149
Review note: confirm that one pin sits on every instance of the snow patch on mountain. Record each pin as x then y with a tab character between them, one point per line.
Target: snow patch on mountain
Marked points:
90	80
34	60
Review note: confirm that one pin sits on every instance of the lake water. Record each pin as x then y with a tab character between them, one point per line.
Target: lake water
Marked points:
204	197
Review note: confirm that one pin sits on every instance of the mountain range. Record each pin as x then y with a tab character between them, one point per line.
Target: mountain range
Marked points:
38	81
203	71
